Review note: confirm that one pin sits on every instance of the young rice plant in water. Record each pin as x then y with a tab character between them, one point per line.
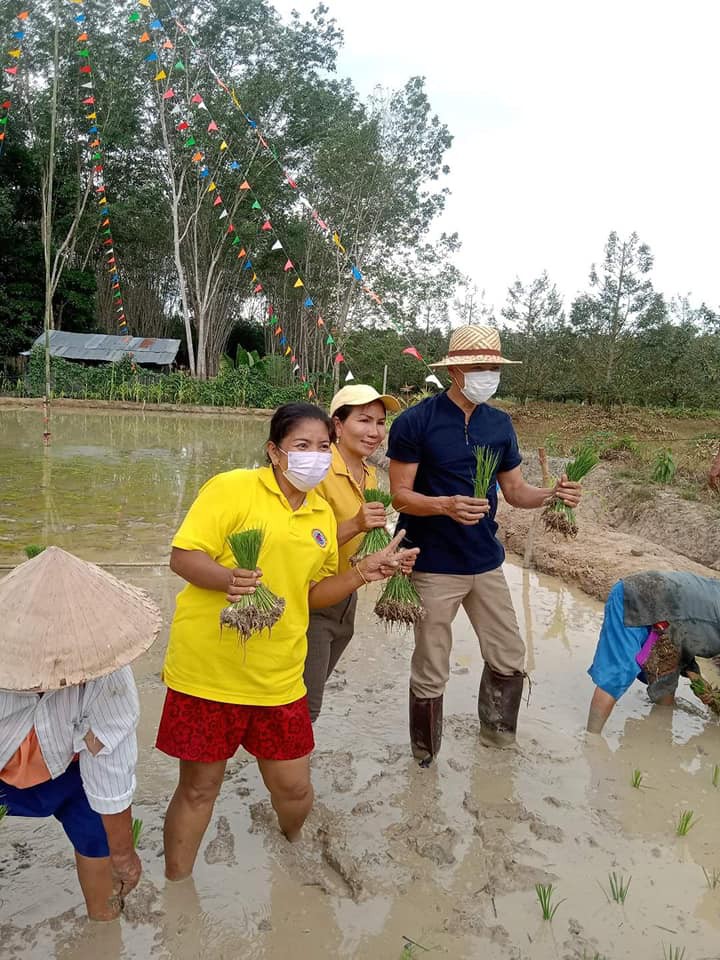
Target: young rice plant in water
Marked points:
557	514
716	775
685	823
673	953
636	779
619	887
252	612
544	893
377	538
712	878
486	463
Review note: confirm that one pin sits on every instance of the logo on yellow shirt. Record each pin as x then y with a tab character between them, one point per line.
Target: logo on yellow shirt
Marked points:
319	537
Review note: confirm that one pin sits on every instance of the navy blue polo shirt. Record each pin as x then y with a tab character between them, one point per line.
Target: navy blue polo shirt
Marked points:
434	435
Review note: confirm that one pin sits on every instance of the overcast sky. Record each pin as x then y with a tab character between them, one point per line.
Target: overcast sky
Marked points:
570	119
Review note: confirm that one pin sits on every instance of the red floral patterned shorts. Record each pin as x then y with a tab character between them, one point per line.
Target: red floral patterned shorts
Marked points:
207	731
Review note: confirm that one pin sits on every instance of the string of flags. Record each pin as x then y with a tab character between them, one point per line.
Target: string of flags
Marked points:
330	233
164	65
86	91
10	72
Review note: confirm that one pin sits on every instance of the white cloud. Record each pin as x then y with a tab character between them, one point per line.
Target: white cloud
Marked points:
570	119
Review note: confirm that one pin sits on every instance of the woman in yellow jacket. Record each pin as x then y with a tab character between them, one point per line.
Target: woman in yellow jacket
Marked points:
221	696
358	412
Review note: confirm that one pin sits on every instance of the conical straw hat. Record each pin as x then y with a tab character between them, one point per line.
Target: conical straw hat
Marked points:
64	621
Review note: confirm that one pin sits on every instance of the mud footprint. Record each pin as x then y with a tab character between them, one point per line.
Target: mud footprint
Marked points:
221	849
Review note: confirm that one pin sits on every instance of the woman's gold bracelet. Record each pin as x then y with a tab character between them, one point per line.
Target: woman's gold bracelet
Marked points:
362	575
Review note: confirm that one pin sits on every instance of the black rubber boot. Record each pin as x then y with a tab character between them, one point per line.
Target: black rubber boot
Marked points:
426	718
498	706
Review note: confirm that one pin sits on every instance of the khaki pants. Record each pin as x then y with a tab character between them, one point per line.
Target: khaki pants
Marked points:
330	630
487	602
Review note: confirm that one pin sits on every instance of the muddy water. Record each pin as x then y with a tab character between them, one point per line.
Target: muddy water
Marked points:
447	857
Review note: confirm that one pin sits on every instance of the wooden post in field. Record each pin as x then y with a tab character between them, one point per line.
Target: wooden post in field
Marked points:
535	522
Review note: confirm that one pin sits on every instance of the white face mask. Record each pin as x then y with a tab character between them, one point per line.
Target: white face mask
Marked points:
306	469
480	385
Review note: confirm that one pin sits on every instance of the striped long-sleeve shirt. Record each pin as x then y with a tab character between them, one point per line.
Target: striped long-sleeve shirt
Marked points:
108	709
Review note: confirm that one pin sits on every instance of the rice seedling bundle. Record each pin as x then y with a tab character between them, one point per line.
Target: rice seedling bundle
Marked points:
557	514
486	463
137	826
257	611
400	602
705	691
377	538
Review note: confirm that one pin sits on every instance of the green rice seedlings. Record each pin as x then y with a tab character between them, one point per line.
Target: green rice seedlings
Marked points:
619	887
713	878
377	538
544	893
3	811
256	611
716	775
400	602
557	514
673	953
705	691
664	467
137	826
486	463
32	550
636	779
685	823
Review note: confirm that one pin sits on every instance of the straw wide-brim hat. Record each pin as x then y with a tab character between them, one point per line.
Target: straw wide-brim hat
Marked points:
64	621
473	344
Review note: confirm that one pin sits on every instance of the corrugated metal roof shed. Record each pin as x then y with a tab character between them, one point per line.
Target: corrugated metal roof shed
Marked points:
103	347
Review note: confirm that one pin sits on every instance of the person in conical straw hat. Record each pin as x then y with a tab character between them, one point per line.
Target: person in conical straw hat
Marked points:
431	449
69	709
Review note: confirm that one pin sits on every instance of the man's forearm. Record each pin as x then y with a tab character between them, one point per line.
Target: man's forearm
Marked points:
118	828
527	497
419	505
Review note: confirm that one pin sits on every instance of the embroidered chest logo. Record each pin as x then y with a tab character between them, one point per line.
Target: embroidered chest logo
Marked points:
319	537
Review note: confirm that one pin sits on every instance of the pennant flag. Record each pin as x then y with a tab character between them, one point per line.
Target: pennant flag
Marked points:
196	98
197	157
5	105
168	45
244	185
134	17
349	376
308	302
179	66
223	145
433	379
18	35
278	331
169	94
144	38
258	288
276	246
242	253
24	15
339	358
190	142
247	265
204	172
82	38
266	226
298	283
355	272
183	125
156	25
412	352
320	322
287	351
296	367
223	215
217	201
83	53
161	75
236	240
151	57
336	241
88	100
256	206
211	186
230	229
91	116
262	140
86	69
291	182
234	165
11	70
212	126
330	338
15	53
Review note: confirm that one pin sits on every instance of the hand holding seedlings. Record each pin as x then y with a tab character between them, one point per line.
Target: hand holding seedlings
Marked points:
566	490
370	516
377	537
467	510
559	514
242	583
384	563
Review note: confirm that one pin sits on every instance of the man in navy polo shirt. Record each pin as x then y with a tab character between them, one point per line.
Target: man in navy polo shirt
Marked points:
432	465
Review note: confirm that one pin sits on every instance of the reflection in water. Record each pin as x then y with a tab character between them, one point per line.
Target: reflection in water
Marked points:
112	484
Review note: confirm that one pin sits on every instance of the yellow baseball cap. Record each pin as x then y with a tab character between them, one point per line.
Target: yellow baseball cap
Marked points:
358	394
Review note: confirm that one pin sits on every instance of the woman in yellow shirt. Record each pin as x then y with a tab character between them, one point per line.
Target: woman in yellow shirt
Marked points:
358	413
221	696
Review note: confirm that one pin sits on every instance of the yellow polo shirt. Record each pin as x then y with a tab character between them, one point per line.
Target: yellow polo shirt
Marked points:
342	492
300	546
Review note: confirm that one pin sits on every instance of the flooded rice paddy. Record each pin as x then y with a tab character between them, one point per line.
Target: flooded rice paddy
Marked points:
445	858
